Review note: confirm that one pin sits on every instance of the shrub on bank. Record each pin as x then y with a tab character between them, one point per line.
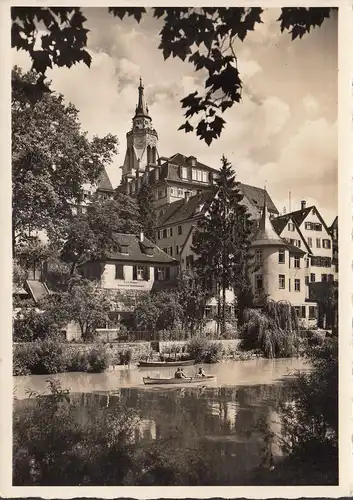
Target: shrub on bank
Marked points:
53	356
98	360
204	350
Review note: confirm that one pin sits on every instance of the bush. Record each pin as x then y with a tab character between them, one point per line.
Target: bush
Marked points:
125	357
204	350
78	362
25	359
39	358
51	357
98	360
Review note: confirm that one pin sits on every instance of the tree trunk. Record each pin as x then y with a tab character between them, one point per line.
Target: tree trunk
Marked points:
223	322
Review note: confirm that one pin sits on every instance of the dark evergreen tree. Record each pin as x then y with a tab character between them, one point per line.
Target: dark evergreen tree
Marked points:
147	213
222	242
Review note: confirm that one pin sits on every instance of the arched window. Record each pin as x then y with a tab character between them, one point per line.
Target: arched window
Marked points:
149	155
154	155
131	160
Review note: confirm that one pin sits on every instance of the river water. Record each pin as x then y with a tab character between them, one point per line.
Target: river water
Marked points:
224	419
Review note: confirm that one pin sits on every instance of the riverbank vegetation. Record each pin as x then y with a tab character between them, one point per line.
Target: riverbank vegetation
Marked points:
52	445
52	356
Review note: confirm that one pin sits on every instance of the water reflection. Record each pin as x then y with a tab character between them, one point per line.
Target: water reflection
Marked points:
221	421
247	373
227	425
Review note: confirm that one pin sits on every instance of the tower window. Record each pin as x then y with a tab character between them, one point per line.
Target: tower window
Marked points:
297	285
259	283
259	257
281	257
281	281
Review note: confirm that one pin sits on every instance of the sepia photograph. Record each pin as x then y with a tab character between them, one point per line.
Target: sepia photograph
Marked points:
175	256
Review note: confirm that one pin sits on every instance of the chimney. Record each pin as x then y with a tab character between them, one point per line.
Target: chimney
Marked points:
141	236
187	196
303	204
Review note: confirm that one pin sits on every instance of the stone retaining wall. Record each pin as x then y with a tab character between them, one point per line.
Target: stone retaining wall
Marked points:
232	344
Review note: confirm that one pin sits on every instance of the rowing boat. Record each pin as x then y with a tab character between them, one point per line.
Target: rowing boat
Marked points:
188	380
159	364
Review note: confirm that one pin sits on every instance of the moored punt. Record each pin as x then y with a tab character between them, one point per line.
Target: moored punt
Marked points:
158	364
188	380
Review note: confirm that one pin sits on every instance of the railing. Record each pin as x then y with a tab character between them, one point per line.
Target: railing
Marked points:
116	335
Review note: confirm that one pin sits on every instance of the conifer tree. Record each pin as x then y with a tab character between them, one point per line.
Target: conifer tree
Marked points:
147	213
222	241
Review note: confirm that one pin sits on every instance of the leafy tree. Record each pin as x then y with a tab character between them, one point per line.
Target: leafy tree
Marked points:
273	329
19	276
222	241
192	298
158	311
147	213
92	235
52	159
83	303
203	37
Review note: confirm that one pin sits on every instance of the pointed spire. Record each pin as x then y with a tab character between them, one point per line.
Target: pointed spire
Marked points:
266	234
141	108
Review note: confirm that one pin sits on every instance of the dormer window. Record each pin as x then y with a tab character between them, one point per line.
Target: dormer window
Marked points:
124	249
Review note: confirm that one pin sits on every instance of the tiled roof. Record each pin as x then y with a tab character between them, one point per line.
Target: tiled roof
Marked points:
181	210
279	223
182	160
298	216
185	210
169	211
104	183
135	249
256	196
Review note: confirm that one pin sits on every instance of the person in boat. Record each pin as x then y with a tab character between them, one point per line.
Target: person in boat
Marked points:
201	372
179	373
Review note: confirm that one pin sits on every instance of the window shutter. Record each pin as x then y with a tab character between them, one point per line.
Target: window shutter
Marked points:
156	273
134	273
167	273
146	273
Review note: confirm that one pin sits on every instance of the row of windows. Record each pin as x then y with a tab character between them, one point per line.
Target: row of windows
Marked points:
321	261
325	243
324	278
281	258
142	273
259	283
180	192
168	232
301	312
313	226
315	261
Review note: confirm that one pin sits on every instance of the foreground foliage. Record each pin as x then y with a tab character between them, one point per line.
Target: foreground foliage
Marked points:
204	37
309	420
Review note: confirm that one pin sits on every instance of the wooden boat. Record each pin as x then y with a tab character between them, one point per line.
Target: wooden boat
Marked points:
159	364
189	380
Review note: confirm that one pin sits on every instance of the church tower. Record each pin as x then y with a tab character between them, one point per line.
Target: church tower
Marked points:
142	139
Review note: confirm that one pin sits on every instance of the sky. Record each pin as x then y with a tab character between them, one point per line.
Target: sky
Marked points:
283	135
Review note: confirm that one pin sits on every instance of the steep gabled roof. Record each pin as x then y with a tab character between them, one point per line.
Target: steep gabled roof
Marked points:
169	211
298	216
256	196
184	210
104	183
136	252
279	223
